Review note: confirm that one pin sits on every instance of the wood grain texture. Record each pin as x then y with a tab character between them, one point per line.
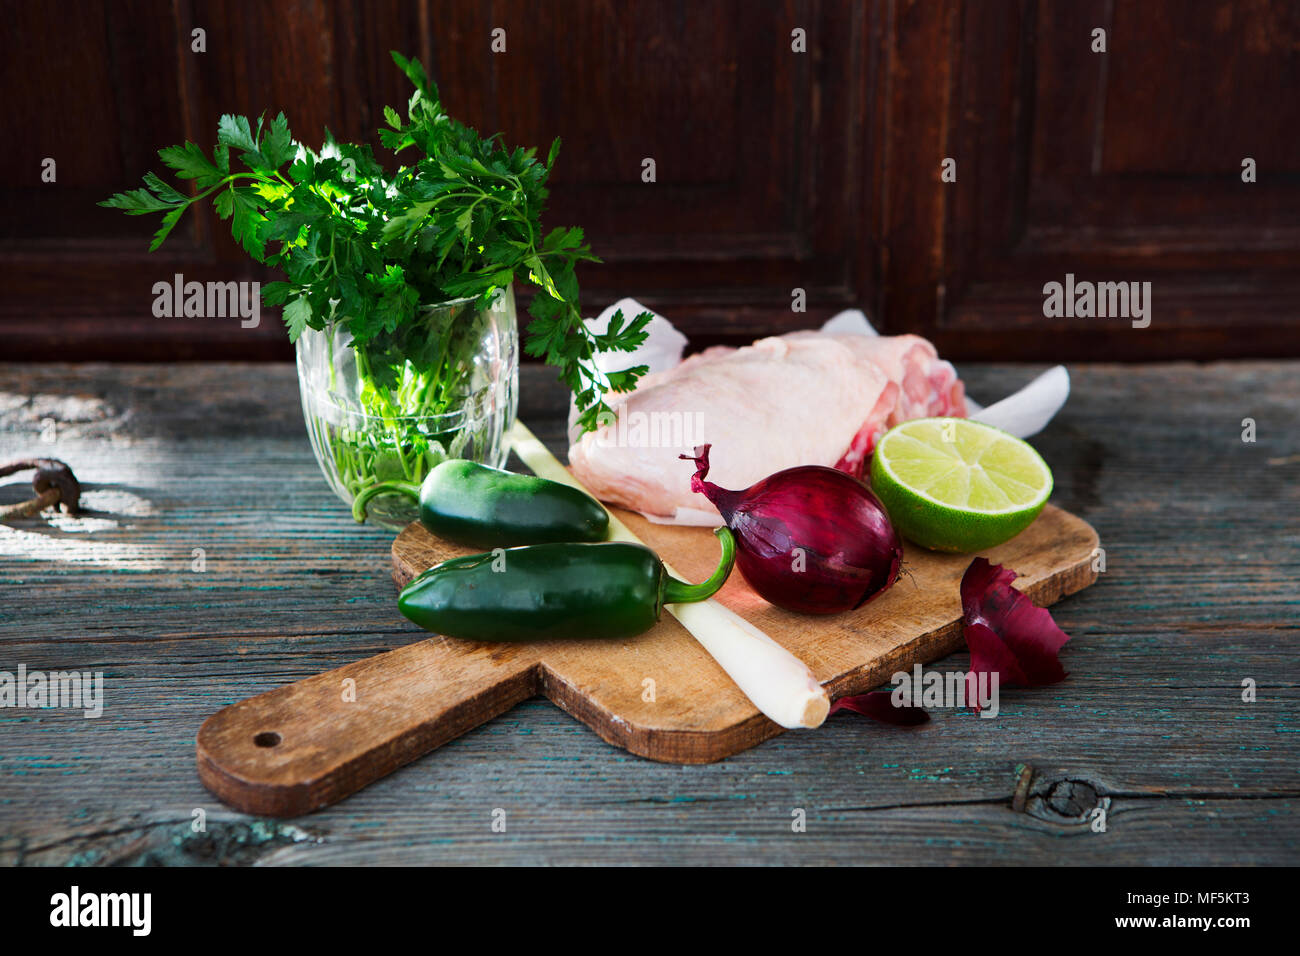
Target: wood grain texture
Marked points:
1203	553
776	170
757	148
1114	166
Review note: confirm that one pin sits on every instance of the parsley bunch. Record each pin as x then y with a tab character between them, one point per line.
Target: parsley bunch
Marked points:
367	248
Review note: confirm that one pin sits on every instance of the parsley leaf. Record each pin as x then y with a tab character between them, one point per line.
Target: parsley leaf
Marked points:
296	316
367	247
190	163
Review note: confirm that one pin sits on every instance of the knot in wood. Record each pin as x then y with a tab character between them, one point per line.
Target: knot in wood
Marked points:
1065	801
1072	799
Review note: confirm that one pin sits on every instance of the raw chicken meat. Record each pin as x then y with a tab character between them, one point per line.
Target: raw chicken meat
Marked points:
805	398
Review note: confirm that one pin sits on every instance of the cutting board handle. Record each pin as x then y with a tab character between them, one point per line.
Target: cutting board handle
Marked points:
308	744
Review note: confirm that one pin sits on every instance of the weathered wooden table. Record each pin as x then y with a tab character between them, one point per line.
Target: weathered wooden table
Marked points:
216	564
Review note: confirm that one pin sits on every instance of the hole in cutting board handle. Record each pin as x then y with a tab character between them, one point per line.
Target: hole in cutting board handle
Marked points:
267	738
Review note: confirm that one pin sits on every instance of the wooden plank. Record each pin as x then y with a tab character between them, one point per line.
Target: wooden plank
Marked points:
1203	551
717	240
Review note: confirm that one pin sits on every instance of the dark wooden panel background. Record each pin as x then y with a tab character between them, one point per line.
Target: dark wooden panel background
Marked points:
776	169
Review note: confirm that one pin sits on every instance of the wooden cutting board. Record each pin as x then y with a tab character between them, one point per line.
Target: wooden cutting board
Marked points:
306	745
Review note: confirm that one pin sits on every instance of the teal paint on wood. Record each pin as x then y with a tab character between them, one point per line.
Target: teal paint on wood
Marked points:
1151	713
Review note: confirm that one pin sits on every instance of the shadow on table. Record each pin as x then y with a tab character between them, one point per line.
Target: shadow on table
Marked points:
102	508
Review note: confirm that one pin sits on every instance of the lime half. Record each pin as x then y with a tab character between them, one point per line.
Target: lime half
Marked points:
953	484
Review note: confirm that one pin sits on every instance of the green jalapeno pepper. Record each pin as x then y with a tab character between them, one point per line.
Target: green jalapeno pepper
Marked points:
485	507
609	590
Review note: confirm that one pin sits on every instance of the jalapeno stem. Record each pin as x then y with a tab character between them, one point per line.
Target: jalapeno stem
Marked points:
409	488
679	592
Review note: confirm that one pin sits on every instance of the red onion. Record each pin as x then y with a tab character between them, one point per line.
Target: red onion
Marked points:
808	539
